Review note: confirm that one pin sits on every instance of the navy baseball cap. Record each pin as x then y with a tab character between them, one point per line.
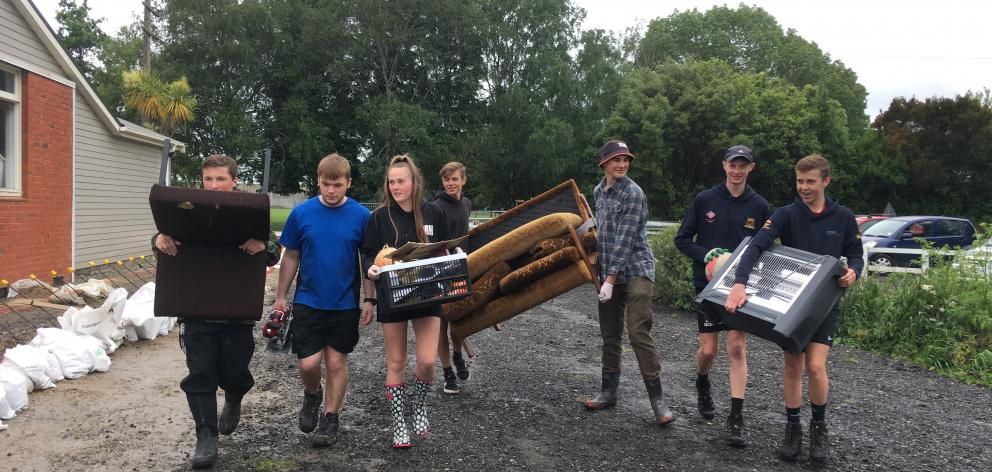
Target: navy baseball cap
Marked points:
738	151
613	149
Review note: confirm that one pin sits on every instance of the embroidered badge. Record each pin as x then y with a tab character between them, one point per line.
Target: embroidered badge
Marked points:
768	224
710	216
749	224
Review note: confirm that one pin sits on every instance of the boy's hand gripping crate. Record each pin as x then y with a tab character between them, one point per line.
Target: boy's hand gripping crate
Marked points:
424	283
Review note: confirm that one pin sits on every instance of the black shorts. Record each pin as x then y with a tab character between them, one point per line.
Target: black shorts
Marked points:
825	333
705	322
313	329
384	316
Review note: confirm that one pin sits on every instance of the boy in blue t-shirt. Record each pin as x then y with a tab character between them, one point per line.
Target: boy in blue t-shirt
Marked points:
322	237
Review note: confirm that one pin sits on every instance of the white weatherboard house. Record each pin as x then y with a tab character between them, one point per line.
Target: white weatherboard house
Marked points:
74	179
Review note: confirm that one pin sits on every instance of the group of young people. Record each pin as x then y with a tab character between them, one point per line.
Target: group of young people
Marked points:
331	243
720	218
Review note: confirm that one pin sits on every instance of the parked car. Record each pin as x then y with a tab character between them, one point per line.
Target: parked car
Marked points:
867	221
906	232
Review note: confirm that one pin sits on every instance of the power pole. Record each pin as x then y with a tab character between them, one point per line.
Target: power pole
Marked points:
147	63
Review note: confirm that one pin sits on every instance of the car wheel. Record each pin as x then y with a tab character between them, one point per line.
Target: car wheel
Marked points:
883	261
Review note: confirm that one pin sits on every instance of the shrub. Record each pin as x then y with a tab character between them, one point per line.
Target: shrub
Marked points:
941	319
672	270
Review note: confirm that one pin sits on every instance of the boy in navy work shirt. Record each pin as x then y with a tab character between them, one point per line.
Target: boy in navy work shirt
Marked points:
721	217
819	225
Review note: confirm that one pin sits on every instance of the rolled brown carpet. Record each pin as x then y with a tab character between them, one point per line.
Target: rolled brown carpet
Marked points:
535	270
483	290
519	241
504	308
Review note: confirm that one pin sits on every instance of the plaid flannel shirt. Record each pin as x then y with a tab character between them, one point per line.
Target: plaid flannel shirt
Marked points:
622	219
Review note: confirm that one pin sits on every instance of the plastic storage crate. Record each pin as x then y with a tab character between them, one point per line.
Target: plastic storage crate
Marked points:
424	283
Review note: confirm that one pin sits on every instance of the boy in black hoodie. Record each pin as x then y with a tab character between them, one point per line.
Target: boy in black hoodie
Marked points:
721	217
819	225
457	209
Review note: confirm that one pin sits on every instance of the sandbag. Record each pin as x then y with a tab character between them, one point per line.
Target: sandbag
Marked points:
6	412
139	315
33	361
504	308
483	290
538	269
15	386
103	323
72	353
519	241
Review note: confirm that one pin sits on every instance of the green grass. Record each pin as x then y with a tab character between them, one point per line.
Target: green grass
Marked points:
277	218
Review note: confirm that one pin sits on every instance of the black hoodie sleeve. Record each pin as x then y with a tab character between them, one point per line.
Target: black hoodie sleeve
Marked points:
853	249
684	239
371	243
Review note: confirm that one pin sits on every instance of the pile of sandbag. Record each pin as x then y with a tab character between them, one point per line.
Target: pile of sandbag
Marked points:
81	346
521	269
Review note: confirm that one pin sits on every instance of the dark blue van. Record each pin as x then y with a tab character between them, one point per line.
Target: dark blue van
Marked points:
906	232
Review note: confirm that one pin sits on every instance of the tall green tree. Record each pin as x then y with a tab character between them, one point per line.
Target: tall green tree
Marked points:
751	40
79	34
946	147
680	118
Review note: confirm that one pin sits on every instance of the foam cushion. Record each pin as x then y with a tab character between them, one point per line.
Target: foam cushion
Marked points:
210	217
209	282
506	307
563	198
483	290
519	241
210	278
535	270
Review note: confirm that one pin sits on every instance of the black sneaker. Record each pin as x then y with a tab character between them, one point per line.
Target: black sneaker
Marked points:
819	442
310	410
460	365
705	402
792	443
450	385
735	431
327	431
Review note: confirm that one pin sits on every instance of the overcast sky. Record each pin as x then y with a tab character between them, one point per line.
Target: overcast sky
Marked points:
898	48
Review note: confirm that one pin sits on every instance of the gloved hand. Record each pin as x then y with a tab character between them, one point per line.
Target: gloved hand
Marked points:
374	272
715	252
605	292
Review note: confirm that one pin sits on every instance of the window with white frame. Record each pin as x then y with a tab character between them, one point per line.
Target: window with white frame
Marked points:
10	121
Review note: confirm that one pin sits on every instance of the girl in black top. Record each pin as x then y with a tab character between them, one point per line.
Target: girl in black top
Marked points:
405	217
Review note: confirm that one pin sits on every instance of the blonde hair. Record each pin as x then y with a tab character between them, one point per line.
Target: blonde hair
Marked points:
814	162
451	168
404	160
333	166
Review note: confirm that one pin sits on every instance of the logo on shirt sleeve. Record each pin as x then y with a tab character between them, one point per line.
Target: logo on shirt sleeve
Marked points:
429	230
768	224
749	224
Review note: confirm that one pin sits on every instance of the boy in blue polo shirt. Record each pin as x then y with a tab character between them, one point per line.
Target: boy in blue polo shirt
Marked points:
322	237
819	225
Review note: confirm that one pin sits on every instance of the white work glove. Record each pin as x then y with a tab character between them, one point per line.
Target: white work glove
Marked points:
605	292
374	272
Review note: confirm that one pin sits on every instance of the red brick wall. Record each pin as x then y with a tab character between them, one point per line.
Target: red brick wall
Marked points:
36	228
